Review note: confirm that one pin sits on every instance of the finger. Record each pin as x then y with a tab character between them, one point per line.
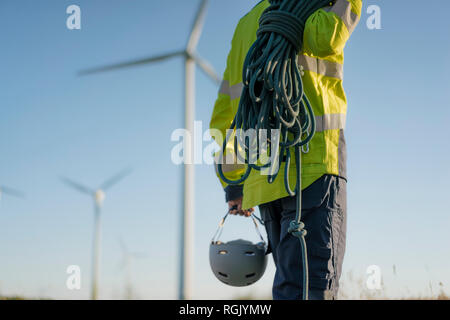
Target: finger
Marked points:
232	207
246	213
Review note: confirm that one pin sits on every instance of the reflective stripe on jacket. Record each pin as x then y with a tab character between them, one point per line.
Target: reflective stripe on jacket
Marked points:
322	57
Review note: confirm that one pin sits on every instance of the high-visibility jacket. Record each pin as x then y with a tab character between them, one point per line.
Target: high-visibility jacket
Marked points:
322	57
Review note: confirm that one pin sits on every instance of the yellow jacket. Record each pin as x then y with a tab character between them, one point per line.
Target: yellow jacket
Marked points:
322	57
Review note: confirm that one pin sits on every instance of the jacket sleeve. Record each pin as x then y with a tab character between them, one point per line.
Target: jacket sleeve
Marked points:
328	29
221	120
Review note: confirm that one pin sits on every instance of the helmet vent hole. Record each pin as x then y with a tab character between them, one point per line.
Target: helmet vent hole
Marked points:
223	252
250	275
249	253
223	274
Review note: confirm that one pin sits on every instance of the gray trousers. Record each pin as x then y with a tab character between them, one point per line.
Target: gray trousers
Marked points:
324	213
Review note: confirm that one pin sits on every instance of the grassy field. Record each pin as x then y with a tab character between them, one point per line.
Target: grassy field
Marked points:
352	288
441	296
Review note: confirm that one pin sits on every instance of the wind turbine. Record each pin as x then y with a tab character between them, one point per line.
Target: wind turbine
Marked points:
98	195
127	258
191	59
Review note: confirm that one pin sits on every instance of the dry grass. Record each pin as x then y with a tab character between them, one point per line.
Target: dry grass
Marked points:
12	298
354	288
441	296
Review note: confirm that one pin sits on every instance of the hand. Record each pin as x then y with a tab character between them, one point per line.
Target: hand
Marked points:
235	207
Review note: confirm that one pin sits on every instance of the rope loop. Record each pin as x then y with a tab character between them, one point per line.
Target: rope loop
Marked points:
283	23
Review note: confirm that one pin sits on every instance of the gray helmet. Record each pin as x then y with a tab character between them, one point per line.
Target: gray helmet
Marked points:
238	263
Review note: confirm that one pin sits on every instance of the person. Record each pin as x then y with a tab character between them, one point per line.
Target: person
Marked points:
323	172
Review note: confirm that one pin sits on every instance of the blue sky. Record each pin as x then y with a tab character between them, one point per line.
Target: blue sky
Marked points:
54	123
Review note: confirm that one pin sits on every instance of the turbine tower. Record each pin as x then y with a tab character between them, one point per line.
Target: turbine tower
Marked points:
98	195
191	59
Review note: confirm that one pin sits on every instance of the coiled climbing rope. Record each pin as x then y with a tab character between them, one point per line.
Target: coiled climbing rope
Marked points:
273	99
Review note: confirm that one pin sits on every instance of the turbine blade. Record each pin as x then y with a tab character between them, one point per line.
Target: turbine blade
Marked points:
77	186
197	27
208	69
12	192
115	179
132	63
